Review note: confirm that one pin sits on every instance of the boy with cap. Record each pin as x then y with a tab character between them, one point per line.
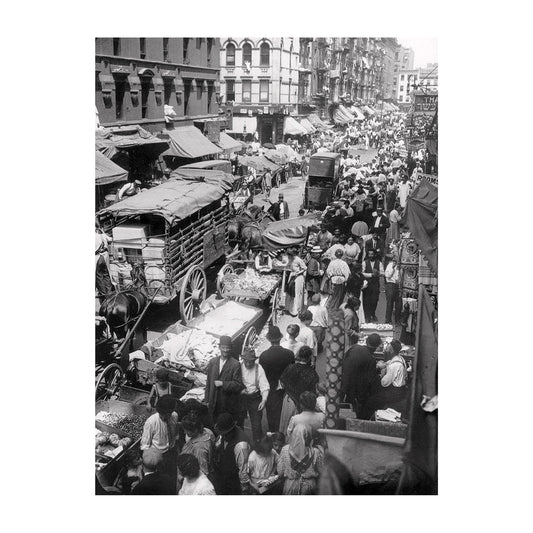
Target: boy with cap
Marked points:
255	392
274	360
319	322
224	382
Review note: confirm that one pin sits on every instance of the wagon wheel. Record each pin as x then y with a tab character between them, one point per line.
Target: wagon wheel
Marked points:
193	293
224	271
276	307
108	383
250	339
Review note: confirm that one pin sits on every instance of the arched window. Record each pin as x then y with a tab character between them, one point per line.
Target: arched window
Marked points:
246	53
230	55
265	55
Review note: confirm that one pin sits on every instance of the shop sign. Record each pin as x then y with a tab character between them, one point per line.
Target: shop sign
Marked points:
425	103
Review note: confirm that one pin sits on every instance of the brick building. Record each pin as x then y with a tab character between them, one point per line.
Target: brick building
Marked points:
138	78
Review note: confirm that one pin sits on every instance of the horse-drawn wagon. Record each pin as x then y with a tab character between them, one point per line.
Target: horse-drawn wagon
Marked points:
172	231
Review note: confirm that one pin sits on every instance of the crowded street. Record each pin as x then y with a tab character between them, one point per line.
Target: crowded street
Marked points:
266	296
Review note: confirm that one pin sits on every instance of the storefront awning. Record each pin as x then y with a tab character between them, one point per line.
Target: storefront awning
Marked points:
108	172
188	141
357	113
318	122
244	125
368	110
229	144
339	117
292	127
347	113
307	125
110	140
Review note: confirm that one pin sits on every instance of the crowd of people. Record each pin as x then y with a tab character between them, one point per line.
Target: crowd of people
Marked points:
202	448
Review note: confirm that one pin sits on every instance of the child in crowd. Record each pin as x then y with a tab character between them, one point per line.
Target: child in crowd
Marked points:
160	388
262	464
278	441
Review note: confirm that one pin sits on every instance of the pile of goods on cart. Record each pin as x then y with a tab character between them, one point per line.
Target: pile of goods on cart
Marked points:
251	281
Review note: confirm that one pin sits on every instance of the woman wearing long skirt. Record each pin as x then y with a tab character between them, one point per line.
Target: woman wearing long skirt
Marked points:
295	285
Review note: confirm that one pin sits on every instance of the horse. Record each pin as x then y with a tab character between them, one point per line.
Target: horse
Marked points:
246	228
122	308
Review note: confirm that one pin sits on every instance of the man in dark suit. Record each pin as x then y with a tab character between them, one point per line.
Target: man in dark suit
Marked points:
373	244
280	210
380	223
224	382
359	375
372	270
274	361
154	482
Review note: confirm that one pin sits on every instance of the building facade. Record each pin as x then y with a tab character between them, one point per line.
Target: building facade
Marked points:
425	78
259	84
157	82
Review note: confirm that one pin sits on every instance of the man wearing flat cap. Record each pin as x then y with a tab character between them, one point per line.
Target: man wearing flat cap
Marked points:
154	482
224	382
255	392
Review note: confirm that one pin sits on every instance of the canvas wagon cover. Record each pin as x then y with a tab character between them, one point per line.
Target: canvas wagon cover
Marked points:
288	232
177	198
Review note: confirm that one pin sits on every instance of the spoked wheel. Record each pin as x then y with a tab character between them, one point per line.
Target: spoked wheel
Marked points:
108	384
250	339
193	293
224	271
276	307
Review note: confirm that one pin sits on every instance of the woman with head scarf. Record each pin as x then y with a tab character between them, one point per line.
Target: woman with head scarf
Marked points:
299	463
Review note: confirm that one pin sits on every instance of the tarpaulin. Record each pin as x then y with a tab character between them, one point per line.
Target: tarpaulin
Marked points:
109	140
421	218
107	171
318	122
288	151
345	112
189	142
292	127
358	114
421	471
184	194
339	117
288	232
276	156
307	125
229	144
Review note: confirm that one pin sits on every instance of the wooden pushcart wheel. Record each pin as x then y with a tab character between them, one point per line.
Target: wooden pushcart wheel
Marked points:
276	304
108	383
224	271
250	339
193	293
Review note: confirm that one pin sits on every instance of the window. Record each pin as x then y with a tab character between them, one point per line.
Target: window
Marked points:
264	58
290	88
142	46
290	59
199	89
246	53
145	92
198	43
247	91
185	49
165	48
402	77
186	96
120	89
263	90
401	87
400	98
168	88
230	90
116	47
397	56
230	55
209	48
